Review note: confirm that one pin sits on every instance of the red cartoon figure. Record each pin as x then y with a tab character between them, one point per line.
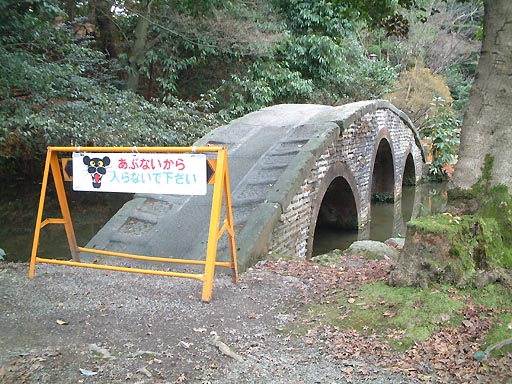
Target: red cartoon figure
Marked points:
96	168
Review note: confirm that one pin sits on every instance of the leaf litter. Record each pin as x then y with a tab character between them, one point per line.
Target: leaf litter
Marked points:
446	355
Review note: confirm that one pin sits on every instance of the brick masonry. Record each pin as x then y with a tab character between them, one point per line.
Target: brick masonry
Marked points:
351	156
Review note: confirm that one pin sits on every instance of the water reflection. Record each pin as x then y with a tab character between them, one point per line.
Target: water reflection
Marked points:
89	211
388	219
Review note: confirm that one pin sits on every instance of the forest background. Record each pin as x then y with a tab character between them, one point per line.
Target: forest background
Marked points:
154	72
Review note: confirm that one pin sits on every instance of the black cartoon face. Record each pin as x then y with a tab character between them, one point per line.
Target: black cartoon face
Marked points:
96	168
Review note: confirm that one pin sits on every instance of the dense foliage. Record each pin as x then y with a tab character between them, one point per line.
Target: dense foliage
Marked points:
442	129
154	72
57	89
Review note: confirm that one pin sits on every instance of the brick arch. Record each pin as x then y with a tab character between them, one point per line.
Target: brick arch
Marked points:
335	172
377	166
409	170
356	145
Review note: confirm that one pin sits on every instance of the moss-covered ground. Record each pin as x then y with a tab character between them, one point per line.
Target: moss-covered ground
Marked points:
468	245
352	298
414	313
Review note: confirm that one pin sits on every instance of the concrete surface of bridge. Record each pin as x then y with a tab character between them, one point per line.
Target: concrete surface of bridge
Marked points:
292	168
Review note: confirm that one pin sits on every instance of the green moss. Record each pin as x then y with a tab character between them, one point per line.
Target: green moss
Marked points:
378	308
491	206
502	330
497	204
443	224
448	249
476	242
404	316
496	249
494	296
483	184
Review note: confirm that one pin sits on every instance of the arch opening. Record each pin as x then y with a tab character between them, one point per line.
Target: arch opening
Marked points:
383	194
337	220
383	178
409	177
408	188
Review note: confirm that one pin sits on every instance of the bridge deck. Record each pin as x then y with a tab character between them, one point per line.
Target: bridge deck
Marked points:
261	146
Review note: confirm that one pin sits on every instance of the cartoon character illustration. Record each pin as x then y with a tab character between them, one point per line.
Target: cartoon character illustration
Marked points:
96	168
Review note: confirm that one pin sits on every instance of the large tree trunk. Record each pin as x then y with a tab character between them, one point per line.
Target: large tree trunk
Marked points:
139	47
107	30
487	127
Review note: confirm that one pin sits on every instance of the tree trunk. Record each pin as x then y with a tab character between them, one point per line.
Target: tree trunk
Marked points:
70	7
487	127
107	38
139	47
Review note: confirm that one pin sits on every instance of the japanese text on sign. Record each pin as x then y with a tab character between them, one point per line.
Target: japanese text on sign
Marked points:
162	173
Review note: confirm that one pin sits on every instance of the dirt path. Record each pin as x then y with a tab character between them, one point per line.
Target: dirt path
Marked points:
73	325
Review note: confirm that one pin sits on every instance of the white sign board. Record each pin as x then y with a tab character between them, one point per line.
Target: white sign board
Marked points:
160	173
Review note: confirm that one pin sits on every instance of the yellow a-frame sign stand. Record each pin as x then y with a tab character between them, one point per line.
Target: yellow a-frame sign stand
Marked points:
221	192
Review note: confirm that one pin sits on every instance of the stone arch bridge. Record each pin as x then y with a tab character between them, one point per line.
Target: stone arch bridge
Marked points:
292	168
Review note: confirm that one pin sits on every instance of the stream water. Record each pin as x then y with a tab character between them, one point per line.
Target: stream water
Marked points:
18	212
90	211
388	219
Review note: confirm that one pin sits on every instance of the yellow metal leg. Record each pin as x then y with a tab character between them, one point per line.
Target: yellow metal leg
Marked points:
231	225
39	218
64	207
211	251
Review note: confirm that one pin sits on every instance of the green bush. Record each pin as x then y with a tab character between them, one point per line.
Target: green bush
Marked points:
111	118
57	88
264	84
308	69
57	91
51	104
442	129
338	68
460	82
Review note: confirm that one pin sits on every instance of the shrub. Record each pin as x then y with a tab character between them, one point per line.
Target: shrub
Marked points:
442	129
73	110
265	83
415	90
57	91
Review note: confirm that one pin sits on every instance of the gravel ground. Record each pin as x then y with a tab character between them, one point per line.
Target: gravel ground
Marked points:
75	325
